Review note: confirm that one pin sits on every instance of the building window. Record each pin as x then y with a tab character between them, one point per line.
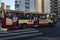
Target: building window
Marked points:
27	0
27	7
7	7
17	6
27	3
42	5
34	2
19	1
15	1
42	0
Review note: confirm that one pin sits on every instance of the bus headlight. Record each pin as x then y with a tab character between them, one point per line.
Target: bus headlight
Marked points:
47	16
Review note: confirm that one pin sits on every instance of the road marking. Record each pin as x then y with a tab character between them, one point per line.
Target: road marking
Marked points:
21	36
18	33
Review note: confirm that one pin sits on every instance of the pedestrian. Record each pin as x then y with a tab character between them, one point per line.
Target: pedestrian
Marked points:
36	22
15	20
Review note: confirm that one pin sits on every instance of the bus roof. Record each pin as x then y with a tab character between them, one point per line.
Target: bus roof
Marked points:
16	11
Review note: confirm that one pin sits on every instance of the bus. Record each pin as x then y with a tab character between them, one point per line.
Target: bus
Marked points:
7	21
31	19
47	19
27	19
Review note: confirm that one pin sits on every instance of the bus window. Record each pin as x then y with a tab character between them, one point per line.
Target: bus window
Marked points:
8	15
0	14
25	16
30	16
42	16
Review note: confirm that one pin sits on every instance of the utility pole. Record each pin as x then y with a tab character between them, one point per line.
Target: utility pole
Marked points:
0	15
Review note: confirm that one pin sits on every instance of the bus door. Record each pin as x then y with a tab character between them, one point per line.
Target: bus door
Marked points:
9	22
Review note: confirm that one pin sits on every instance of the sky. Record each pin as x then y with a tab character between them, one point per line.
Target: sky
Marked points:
9	2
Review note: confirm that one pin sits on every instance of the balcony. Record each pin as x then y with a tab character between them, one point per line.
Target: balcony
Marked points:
17	3
0	8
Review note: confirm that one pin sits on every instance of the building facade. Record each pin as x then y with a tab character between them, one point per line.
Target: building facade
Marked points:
54	6
42	6
7	7
58	8
33	5
25	5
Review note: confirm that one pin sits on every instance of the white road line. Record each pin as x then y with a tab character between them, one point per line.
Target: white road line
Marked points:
18	33
23	30
21	36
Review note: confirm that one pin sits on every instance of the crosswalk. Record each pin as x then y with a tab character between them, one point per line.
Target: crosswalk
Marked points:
19	34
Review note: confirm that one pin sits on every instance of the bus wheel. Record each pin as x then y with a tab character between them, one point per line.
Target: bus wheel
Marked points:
49	24
55	22
24	25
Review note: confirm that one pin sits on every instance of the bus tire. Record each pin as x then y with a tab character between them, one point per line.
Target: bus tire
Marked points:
36	24
55	22
50	24
24	25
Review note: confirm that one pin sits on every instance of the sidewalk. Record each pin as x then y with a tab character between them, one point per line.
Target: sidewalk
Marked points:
3	30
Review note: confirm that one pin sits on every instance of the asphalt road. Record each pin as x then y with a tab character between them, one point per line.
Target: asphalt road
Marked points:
42	33
49	33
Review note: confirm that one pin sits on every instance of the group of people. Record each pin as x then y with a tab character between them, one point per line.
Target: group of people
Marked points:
15	20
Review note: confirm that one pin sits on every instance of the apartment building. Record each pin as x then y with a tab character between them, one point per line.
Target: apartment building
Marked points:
33	5
58	6
43	6
59	9
25	5
54	6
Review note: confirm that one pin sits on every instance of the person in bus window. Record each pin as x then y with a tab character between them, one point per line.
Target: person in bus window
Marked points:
36	20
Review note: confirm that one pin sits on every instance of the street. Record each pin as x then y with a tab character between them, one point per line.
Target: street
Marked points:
29	20
42	33
49	33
